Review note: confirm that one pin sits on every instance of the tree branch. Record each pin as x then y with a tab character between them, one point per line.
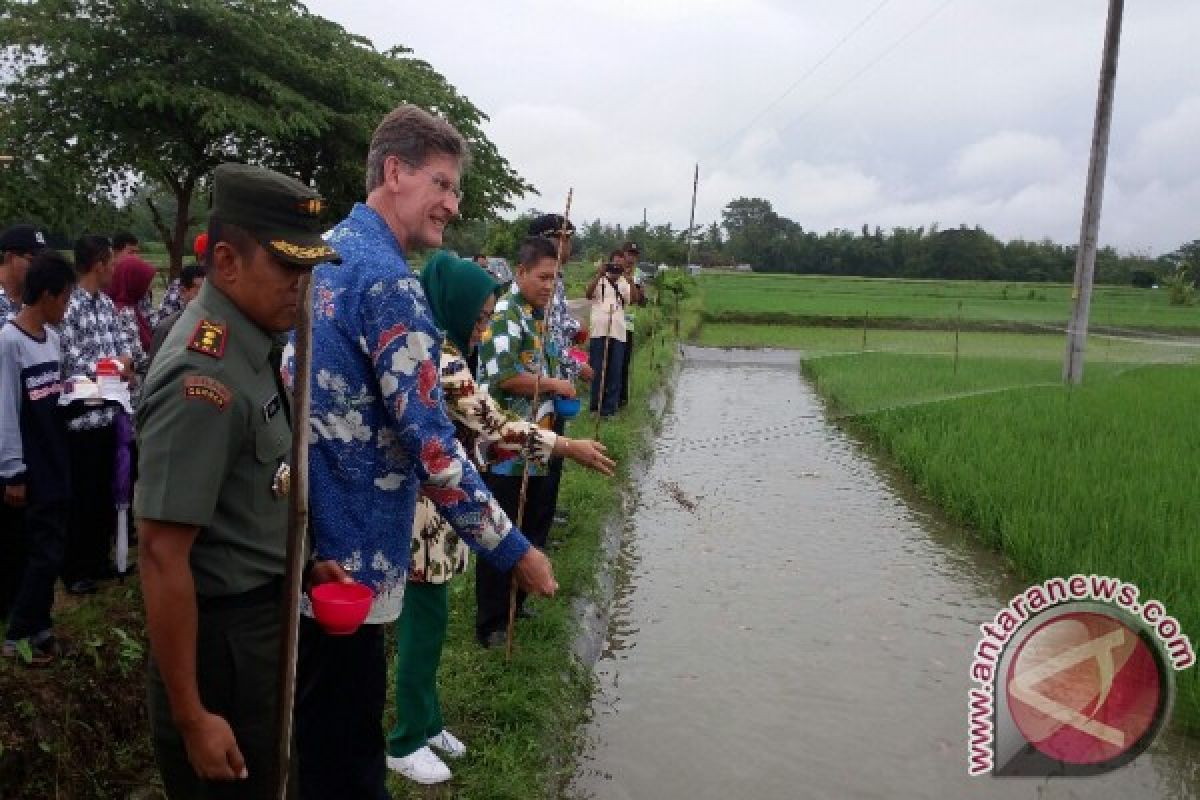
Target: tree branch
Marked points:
157	219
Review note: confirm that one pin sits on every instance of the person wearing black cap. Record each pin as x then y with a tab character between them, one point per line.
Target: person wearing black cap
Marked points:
34	469
562	328
18	245
214	432
637	297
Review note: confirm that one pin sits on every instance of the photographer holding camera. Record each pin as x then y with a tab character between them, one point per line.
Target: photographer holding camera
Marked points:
609	293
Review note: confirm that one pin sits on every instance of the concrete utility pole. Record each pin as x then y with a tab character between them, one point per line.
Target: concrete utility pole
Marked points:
692	218
1085	258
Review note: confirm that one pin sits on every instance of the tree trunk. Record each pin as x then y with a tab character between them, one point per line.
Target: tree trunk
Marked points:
177	246
163	231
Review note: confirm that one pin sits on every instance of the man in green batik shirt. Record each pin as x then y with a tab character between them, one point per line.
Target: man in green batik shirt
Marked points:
515	350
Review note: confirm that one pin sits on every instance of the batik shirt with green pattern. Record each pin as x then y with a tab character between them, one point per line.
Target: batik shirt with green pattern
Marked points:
516	344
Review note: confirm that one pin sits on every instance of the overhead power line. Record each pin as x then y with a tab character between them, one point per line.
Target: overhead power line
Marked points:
869	65
807	74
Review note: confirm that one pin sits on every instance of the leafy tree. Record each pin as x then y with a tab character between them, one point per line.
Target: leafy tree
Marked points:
123	92
1187	258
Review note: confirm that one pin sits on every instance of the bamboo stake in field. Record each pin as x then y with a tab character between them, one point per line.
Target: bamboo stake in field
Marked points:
537	385
297	533
957	331
866	318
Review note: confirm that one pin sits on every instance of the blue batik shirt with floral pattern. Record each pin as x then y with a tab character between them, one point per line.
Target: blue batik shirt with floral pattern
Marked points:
378	429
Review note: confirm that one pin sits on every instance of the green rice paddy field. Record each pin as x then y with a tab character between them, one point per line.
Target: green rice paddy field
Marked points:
1099	478
735	297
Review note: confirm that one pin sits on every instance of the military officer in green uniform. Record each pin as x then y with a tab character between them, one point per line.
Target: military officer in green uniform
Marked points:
214	436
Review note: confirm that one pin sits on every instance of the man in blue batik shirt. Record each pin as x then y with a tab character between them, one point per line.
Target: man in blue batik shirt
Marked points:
379	434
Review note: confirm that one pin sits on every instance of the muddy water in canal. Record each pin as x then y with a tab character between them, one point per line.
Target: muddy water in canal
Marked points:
788	624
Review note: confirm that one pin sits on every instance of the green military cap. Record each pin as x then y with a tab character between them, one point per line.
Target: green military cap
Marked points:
280	212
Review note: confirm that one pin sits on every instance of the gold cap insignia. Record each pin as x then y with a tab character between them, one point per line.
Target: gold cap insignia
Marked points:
311	206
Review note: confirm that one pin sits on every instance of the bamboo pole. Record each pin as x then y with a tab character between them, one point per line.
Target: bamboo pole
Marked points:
603	373
297	533
512	581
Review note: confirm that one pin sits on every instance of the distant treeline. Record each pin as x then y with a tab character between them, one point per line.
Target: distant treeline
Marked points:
750	232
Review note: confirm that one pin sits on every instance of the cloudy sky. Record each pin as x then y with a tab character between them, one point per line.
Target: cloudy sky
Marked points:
947	111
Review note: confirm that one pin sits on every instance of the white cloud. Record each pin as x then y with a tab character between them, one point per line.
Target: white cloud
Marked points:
1010	156
983	116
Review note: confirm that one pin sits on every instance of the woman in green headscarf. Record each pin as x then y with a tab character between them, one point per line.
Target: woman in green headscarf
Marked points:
461	296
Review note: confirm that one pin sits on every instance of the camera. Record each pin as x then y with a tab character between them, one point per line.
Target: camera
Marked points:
612	268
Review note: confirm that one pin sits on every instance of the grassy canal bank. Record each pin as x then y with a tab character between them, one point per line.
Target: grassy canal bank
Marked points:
520	721
1096	479
79	729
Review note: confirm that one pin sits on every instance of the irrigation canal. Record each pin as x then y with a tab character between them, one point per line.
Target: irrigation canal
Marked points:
788	624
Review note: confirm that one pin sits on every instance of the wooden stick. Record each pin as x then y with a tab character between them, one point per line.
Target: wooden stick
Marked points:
537	385
512	581
297	533
603	372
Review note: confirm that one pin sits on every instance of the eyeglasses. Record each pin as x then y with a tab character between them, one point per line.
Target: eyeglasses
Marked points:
443	183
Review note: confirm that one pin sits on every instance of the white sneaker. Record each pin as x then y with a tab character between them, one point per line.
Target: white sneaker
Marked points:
449	744
422	766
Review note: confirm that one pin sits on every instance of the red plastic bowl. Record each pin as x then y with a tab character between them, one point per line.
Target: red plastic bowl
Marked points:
340	608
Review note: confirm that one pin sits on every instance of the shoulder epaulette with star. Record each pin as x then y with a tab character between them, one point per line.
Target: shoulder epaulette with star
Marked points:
209	338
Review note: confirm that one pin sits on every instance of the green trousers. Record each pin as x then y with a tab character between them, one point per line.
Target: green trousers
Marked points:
237	670
420	633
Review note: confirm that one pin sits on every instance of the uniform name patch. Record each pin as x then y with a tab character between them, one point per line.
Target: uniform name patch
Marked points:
209	338
199	387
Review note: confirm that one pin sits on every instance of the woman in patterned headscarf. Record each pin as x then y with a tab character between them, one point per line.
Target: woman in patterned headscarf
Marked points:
461	295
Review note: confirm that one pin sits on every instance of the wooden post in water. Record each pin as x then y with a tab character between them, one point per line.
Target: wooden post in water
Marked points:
692	218
1085	259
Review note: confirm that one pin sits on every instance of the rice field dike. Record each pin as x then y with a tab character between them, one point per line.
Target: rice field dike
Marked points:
969	402
754	298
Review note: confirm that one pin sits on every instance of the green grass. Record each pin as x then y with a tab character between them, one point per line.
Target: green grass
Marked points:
520	720
1099	478
733	297
1101	349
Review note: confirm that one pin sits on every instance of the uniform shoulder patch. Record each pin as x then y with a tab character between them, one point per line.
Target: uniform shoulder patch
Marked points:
209	338
202	387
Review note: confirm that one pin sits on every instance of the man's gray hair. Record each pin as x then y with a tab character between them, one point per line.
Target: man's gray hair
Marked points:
413	135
